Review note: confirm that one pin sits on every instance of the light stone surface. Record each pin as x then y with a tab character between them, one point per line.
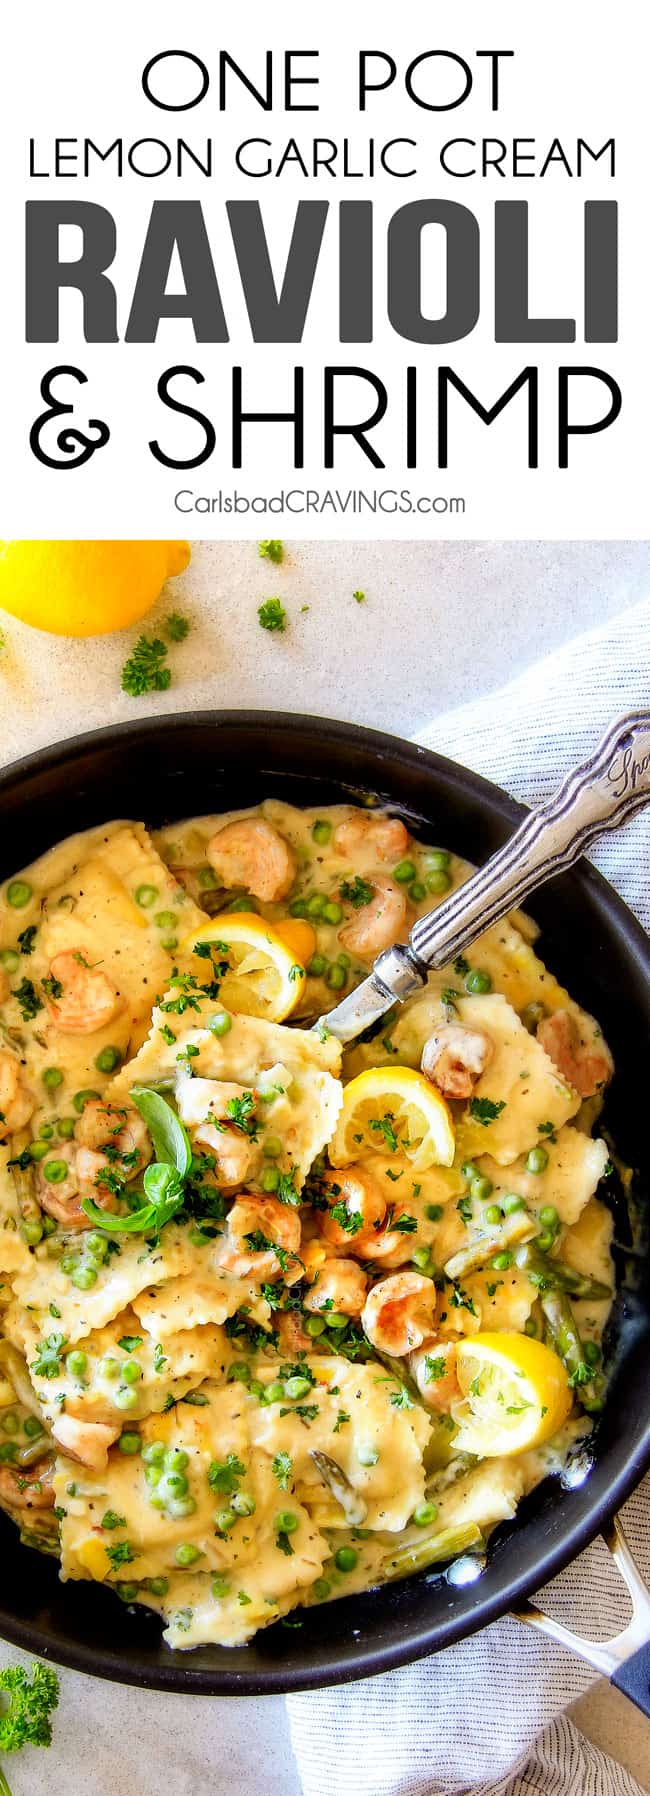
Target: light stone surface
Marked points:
441	621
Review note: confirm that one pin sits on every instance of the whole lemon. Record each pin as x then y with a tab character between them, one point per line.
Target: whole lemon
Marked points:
85	588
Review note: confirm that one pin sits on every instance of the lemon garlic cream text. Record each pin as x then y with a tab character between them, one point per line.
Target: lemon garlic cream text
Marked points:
277	1323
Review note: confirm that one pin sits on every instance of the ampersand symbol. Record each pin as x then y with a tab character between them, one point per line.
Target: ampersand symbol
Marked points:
76	446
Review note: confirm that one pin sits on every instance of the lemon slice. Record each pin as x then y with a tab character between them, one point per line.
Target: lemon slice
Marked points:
264	977
515	1394
391	1109
297	935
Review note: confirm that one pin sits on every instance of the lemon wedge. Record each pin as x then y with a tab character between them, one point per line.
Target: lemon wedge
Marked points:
297	935
515	1394
264	977
392	1109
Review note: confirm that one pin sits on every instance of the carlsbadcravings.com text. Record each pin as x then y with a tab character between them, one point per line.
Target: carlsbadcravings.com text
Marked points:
297	501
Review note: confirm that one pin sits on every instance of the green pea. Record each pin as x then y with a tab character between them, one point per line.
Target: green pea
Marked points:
39	1149
84	1277
537	1160
9	959
316	904
208	879
493	1215
158	1586
176	1459
335	1321
336	978
125	1397
107	1060
180	1507
220	1587
439	881
272	1146
49	1226
332	912
433	1212
242	1503
321	1589
76	1363
530	1327
18	894
404	872
245	904
421	1258
187	1553
10	1422
274	1392
81	1098
65	1128
109	1368
469	1171
478	981
32	1427
152	1474
131	1372
321	832
198	1238
270	1178
436	860
296	1387
501	1262
481	1189
239	1374
346	1559
154	1452
510	1202
546	1240
46	1131
52	1077
591	1352
424	1513
417	891
367	1454
96	1245
145	896
170	943
220	1023
32	1233
130	1442
8	1452
174	1484
127	1592
68	1263
287	1521
55	1171
317	966
298	908
165	919
549	1216
258	1390
225	1519
314	1326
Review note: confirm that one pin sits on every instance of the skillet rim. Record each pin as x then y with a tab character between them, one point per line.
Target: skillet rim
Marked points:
180	1676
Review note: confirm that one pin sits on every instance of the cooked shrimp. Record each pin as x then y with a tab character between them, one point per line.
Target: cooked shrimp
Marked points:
399	1313
116	1127
384	837
435	1374
16	1100
252	854
86	1000
291	1333
22	1489
454	1058
379	923
392	1246
339	1284
63	1200
278	1224
86	1441
364	1204
585	1071
237	1157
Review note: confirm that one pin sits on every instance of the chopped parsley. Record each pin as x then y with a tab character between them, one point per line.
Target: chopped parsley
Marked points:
400	1399
461	966
282	1467
48	1360
356	892
485	1110
283	1542
260	1243
241	1113
359	596
159	1358
349	1220
286	1190
111	1520
341	1419
404	1225
224	1475
271	550
28	999
547	1128
26	939
434	1367
272	615
145	671
121	1554
167	1035
130	1342
383	1125
177	627
459	1300
306	1411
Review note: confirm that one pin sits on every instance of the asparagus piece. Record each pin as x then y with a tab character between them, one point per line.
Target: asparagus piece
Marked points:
332	1474
447	1543
555	1275
400	1372
31	1227
566	1340
519	1226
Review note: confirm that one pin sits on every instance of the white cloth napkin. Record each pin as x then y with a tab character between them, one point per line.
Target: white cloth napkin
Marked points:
470	1715
466	1716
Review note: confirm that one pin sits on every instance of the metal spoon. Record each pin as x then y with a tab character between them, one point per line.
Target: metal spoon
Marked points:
597	796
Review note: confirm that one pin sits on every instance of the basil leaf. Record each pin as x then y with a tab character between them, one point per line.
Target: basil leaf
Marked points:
163	1185
171	1141
135	1224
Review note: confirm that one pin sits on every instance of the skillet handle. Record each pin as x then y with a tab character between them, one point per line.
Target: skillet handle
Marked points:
626	1658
